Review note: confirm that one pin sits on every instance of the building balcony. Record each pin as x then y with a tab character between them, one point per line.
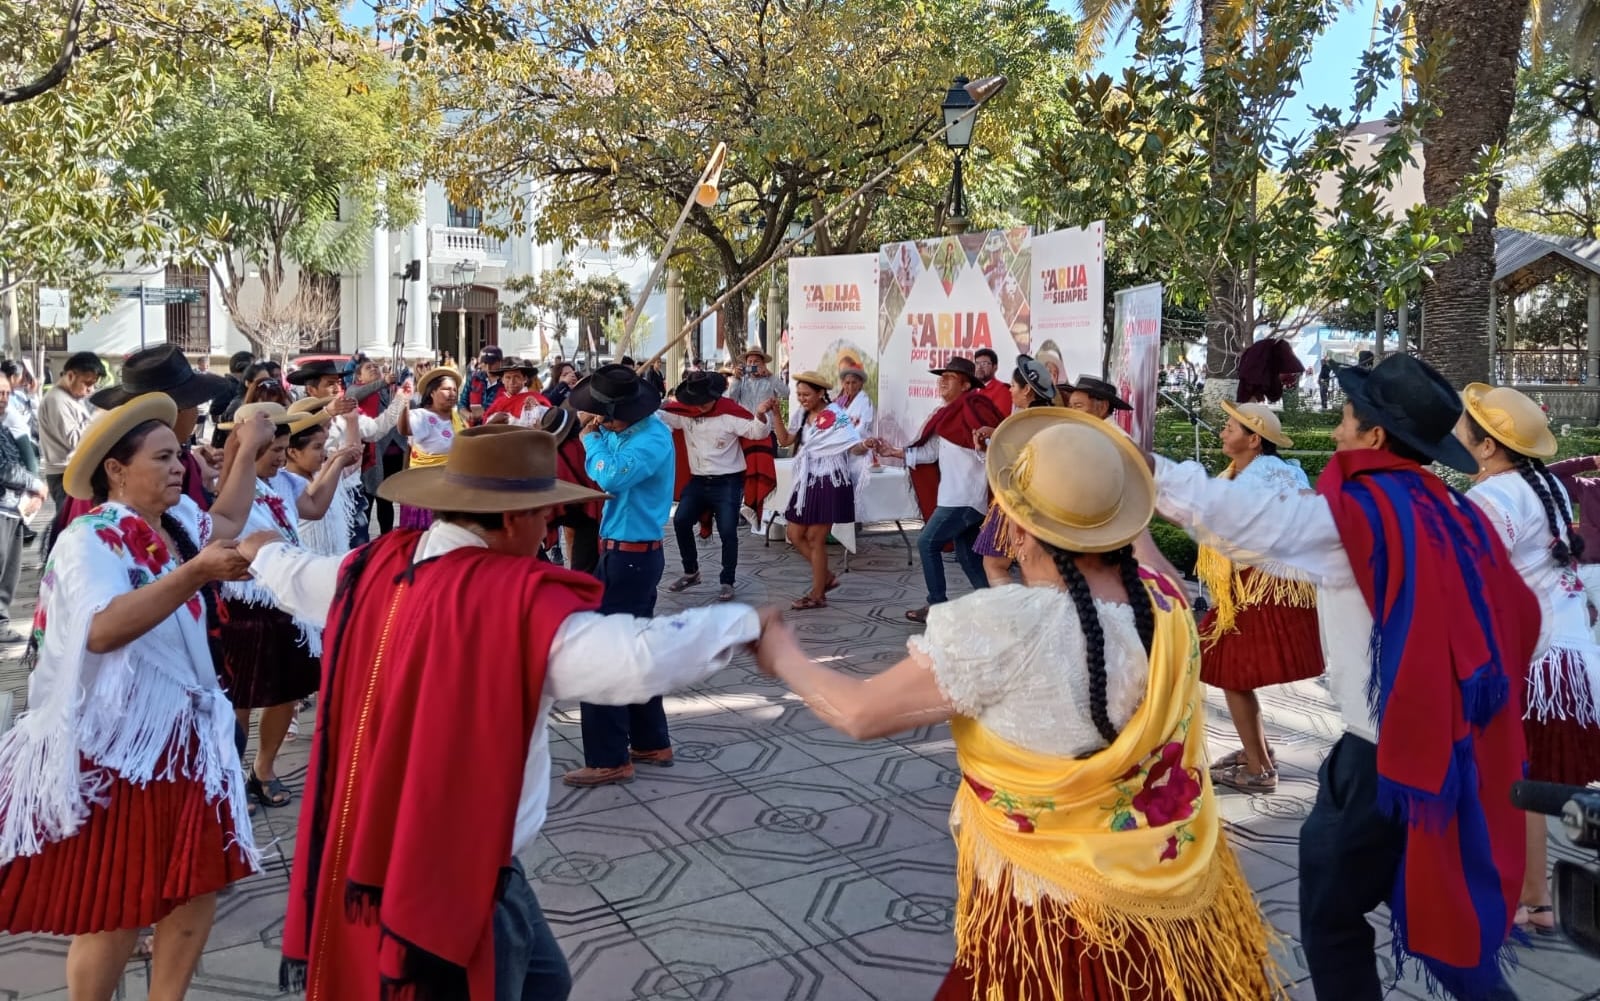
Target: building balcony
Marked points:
450	244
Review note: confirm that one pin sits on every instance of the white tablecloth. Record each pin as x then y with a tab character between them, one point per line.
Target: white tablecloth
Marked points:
884	495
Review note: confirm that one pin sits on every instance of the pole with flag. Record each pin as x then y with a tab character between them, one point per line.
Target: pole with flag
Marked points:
981	91
703	194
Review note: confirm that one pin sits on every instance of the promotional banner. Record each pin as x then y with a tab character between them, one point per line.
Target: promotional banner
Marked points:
941	298
833	318
1069	299
1136	359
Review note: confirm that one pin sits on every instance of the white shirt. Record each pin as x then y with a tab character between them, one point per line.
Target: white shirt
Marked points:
613	660
1291	535
962	480
713	442
861	413
356	427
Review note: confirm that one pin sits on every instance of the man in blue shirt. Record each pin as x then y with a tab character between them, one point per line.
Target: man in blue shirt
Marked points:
628	454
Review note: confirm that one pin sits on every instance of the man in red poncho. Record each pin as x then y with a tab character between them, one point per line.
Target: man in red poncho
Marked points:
519	401
716	441
430	768
998	390
947	473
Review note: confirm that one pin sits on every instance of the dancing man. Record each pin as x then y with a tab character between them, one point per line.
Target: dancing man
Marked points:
709	433
1435	629
414	885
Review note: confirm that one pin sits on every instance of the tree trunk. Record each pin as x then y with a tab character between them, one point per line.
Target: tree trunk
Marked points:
734	324
1228	330
1474	94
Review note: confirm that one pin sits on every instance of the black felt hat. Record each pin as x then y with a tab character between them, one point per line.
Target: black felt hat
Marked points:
617	393
161	369
960	366
699	388
311	371
1100	390
1412	402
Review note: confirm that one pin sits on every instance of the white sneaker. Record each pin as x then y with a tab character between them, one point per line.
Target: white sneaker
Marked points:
748	513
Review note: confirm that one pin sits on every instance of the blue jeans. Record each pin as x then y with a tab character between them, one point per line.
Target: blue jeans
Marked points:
630	581
721	495
528	963
950	524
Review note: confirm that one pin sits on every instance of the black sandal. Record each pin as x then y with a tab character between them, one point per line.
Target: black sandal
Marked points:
683	583
270	794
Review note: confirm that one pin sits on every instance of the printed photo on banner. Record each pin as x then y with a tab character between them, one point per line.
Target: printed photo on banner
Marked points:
942	298
1068	300
1136	359
833	320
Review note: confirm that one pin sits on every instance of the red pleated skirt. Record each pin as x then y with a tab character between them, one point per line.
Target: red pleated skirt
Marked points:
1094	980
148	850
1273	644
1562	750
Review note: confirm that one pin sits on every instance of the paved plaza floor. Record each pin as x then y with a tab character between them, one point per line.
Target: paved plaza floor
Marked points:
778	861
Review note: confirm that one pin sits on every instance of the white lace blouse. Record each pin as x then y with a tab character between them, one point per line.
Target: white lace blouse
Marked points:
1013	658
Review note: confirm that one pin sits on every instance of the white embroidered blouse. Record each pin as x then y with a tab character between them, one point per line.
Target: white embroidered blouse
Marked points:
1014	659
121	710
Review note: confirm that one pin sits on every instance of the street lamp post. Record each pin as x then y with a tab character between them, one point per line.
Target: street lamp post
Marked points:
435	307
959	115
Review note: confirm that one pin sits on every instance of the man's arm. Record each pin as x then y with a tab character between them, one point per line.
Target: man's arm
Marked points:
756	428
303	582
373	428
615	464
1286	535
619	660
676	422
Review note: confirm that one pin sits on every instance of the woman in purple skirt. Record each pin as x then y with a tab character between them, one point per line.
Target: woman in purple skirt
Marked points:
1032	385
824	439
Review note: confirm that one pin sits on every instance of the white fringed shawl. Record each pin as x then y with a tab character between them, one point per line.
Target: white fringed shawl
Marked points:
122	710
271	512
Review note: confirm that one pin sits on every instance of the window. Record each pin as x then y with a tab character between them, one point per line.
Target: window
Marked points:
323	315
464	218
189	323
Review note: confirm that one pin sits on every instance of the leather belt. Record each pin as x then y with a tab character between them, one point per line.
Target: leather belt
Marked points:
630	547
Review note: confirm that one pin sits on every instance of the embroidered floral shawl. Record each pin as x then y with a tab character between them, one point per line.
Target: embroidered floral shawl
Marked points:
270	512
147	711
1126	842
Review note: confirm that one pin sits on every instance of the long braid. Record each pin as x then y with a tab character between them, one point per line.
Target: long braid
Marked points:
1575	545
1094	640
1565	547
1144	613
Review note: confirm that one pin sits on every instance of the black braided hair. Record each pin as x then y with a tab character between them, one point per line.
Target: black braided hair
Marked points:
1144	613
210	594
1094	638
1566	547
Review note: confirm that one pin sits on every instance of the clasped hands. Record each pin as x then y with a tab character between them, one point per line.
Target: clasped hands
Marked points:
777	641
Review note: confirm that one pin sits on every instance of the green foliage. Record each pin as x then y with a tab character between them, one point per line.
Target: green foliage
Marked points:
547	302
614	107
1175	544
256	159
1553	183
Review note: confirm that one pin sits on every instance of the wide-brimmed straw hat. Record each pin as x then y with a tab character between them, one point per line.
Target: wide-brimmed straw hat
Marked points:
816	379
749	353
308	413
1412	402
277	413
1071	480
490	469
1259	419
426	383
161	369
103	433
1511	418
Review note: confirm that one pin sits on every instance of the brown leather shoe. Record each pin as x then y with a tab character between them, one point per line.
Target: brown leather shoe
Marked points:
661	758
585	777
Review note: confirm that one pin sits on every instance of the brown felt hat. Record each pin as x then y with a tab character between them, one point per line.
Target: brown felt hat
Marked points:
490	469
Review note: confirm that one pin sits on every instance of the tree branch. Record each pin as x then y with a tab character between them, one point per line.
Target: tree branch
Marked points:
63	64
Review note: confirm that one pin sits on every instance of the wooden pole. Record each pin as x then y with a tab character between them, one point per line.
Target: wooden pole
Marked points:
713	167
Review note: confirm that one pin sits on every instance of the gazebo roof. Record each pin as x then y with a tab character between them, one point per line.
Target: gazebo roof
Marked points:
1524	260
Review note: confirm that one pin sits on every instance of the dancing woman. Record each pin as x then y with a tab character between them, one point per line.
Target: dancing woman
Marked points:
121	804
432	428
824	483
1262	630
1090	860
1509	436
1031	386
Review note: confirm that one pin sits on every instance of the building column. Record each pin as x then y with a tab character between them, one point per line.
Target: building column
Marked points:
775	322
419	322
673	323
377	339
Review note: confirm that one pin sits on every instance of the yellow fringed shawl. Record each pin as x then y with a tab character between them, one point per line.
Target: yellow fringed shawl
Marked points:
1232	590
1125	841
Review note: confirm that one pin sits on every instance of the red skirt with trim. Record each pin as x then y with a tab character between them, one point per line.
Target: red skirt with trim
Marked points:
148	850
1562	750
1273	644
1094	980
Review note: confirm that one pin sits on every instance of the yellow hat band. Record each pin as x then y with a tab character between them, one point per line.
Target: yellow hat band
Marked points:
1022	478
